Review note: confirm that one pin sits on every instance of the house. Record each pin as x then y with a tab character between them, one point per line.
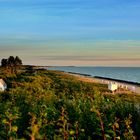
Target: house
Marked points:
112	86
3	85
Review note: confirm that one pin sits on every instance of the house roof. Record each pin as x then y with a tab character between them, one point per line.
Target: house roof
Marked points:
2	82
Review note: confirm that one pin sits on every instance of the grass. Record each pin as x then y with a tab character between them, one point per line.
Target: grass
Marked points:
44	104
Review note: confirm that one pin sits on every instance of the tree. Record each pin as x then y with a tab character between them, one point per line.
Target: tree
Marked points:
11	64
11	61
4	62
18	61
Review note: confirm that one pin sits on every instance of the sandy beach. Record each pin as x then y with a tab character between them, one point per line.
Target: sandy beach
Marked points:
130	87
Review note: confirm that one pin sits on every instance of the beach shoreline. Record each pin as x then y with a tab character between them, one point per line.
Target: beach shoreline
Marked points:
131	86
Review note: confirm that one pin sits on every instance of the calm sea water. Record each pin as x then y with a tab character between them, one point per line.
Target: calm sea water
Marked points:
122	73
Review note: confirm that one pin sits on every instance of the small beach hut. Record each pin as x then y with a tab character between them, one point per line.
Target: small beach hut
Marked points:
3	85
132	88
112	86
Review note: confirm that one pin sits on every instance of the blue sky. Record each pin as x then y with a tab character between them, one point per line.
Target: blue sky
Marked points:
71	32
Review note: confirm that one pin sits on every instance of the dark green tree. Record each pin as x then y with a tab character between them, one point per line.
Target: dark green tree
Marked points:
12	64
18	61
11	61
4	62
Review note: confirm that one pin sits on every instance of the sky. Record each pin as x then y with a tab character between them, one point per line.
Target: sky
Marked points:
71	32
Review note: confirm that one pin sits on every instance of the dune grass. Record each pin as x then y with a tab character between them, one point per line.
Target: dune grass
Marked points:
47	105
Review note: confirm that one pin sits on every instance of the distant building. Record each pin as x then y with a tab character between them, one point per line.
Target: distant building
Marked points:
3	85
112	86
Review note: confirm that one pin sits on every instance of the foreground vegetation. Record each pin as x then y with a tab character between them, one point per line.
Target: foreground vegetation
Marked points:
48	105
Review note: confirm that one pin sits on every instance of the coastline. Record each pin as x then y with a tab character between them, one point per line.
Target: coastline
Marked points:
131	86
118	80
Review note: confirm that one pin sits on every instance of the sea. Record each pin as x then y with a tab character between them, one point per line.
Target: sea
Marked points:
131	74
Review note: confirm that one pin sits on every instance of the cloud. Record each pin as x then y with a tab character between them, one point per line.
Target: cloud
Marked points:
86	58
